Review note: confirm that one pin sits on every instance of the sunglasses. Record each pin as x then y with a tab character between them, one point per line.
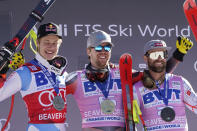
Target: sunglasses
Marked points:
155	55
100	48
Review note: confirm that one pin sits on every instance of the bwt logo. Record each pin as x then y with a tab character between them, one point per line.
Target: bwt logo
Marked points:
195	66
155	95
2	122
92	87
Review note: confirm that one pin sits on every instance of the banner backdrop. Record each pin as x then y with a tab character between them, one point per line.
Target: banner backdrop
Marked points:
131	23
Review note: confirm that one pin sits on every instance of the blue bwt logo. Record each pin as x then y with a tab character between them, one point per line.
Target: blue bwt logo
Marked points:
155	95
91	87
40	79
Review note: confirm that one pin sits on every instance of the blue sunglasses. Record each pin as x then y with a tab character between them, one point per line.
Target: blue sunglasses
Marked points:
100	48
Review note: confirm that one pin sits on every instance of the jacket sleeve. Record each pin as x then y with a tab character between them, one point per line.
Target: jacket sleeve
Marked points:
71	83
190	97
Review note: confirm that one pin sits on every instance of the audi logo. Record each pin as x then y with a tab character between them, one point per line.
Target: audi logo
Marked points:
2	122
195	66
49	95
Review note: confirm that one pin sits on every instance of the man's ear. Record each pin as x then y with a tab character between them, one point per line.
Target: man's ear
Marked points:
88	51
145	58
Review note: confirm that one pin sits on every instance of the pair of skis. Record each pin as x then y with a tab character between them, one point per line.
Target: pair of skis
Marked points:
132	111
125	67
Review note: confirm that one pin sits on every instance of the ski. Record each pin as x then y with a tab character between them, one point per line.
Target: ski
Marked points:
190	10
125	67
35	16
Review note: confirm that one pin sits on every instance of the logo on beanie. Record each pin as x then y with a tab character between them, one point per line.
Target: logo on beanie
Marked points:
51	28
158	44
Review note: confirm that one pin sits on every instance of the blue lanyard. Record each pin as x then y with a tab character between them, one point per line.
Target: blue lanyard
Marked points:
51	76
164	95
104	86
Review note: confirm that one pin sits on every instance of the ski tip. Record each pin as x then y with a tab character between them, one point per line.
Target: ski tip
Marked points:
189	4
126	55
125	58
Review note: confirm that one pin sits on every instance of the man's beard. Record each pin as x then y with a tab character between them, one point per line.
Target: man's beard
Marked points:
102	64
157	69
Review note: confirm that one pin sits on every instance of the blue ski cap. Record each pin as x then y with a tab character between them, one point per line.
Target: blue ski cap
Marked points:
98	37
49	29
155	44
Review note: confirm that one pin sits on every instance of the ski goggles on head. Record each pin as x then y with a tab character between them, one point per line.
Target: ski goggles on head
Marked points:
100	48
155	55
